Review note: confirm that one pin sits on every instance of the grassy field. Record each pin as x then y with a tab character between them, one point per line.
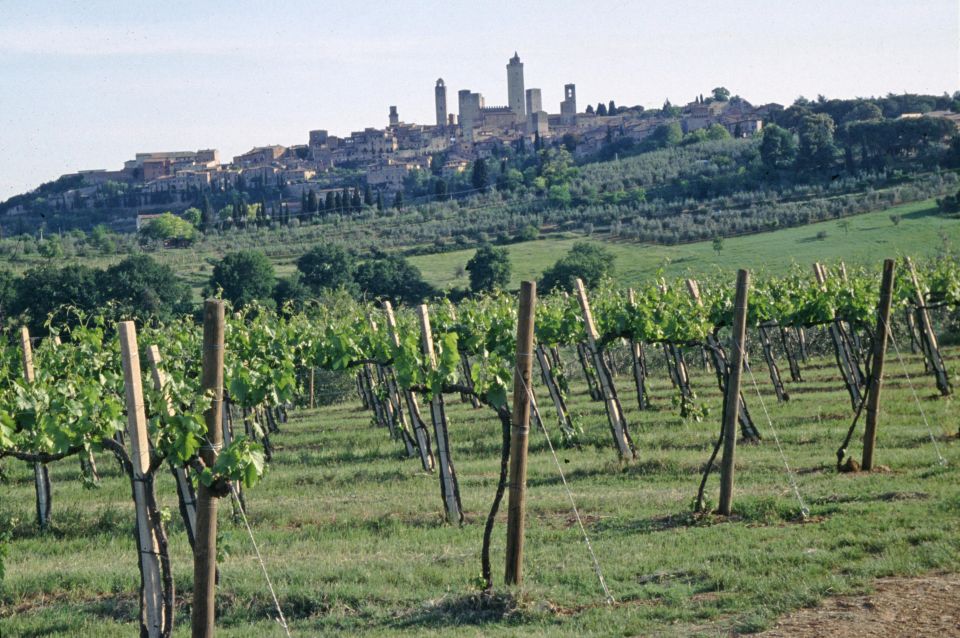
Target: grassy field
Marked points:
352	532
869	238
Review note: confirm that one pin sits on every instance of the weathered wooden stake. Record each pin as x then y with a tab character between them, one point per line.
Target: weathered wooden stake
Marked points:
732	403
449	488
928	337
520	431
879	354
41	475
203	619
312	374
618	424
151	591
185	493
420	434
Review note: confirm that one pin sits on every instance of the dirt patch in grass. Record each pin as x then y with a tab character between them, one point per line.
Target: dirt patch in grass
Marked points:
915	607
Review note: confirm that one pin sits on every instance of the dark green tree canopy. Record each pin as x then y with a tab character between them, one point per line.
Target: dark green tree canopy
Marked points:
142	287
327	267
489	269
590	262
778	150
43	290
394	278
243	276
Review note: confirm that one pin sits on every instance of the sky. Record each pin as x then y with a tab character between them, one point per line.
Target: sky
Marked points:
86	84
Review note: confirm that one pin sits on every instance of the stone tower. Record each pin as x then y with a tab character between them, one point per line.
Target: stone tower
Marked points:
568	108
440	94
515	94
394	117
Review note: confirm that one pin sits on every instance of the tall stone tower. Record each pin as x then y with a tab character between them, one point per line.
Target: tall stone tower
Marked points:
568	108
440	95
515	94
394	117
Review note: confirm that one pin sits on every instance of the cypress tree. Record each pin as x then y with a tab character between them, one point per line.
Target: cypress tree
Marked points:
367	195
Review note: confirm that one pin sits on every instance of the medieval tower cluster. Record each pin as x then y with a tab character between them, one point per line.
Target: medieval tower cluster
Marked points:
523	113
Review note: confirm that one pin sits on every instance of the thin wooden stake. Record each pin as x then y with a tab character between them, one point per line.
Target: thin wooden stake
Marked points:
186	495
879	354
930	347
420	434
618	425
41	474
732	403
151	591
203	620
520	432
449	488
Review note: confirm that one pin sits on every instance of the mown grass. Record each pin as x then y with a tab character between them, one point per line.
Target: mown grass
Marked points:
921	232
352	532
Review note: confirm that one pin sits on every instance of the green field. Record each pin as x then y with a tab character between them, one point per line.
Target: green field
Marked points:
352	534
869	238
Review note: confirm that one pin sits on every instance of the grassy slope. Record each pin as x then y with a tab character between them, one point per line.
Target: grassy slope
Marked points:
352	534
871	236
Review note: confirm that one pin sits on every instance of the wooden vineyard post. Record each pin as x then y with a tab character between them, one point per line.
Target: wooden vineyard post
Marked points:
520	431
203	619
151	616
879	354
553	388
392	405
41	475
841	348
639	369
928	338
618	424
747	427
420	434
732	402
185	493
312	375
449	488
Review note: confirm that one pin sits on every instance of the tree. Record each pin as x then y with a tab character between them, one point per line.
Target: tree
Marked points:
102	239
356	202
327	267
194	216
863	111
612	108
41	291
393	278
721	94
169	229
398	200
379	200
816	150
290	293
141	287
718	245
489	268
778	150
478	175
208	218
589	109
243	277
590	262
844	225
331	202
312	202
601	109
367	195
664	136
440	189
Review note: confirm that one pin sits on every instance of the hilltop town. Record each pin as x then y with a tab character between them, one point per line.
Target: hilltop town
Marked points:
380	159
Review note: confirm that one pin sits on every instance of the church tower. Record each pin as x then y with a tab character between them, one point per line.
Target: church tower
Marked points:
515	93
440	94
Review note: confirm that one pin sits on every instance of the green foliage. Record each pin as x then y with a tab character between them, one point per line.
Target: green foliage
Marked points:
392	277
170	229
327	267
140	287
589	262
778	149
489	269
243	277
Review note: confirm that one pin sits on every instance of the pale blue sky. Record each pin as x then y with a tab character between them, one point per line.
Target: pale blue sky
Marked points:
86	84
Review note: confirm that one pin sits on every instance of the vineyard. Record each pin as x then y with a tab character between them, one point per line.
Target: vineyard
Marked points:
391	518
